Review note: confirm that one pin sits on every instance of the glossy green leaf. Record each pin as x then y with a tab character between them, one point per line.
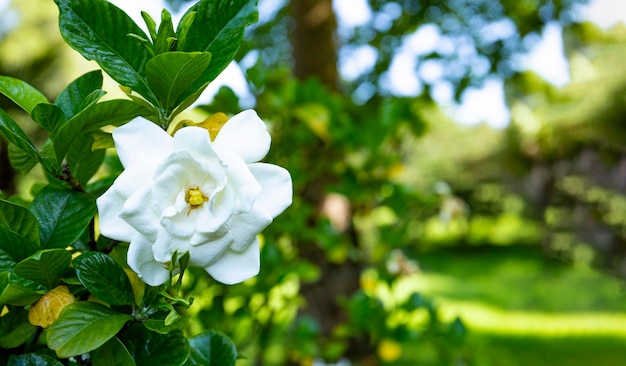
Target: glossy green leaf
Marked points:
112	353
113	112
20	160
49	116
33	359
211	349
15	245
78	93
21	93
149	348
14	134
45	267
104	278
7	263
15	329
84	162
171	74
218	28
83	327
71	130
20	220
99	31
62	214
18	291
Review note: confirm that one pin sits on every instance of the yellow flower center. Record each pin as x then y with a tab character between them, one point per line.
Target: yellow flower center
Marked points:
194	197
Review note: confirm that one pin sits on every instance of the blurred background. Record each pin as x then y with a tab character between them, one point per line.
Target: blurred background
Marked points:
459	173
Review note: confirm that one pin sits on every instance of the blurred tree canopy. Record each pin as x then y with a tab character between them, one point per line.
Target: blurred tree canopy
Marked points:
475	39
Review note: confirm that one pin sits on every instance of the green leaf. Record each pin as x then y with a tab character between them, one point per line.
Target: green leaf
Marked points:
84	162
104	278
83	327
33	359
14	134
45	267
188	101
99	30
19	220
218	28
212	348
112	353
70	130
183	29
171	74
20	160
157	322
15	245
21	93
18	291
62	214
74	96
149	348
113	112
150	23
6	262
102	140
165	34
49	116
15	329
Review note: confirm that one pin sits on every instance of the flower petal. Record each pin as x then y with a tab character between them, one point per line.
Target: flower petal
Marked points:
277	188
246	135
142	144
175	175
109	209
235	267
166	244
213	215
201	255
137	212
197	142
206	254
141	260
246	227
242	181
130	180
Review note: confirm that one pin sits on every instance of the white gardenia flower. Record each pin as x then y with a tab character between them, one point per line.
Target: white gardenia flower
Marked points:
189	193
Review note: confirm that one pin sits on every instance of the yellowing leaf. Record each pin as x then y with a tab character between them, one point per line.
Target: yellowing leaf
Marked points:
214	123
45	311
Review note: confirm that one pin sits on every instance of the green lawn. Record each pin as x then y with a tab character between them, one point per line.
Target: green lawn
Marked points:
524	309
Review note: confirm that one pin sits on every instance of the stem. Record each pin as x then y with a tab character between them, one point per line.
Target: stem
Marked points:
66	175
164	120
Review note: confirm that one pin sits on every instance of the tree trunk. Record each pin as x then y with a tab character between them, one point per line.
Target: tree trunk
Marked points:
315	56
314	49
